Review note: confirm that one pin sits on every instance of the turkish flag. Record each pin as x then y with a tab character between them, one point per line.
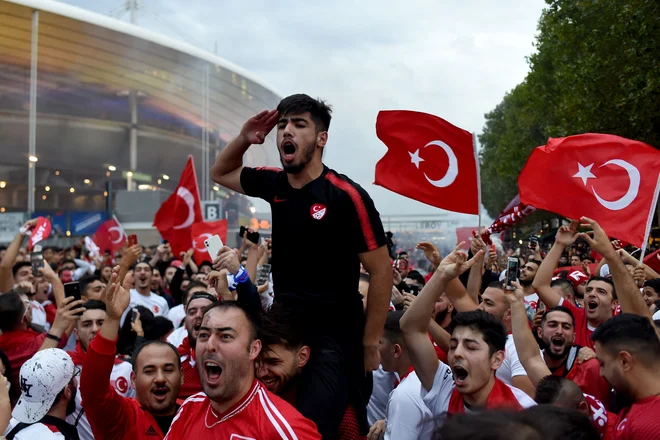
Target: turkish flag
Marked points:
465	234
428	160
608	178
110	236
652	260
202	231
41	231
177	214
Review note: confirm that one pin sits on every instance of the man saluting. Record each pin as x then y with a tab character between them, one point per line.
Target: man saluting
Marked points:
337	221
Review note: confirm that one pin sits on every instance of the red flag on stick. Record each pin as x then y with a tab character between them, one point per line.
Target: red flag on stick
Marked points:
611	179
202	231
428	160
177	214
110	236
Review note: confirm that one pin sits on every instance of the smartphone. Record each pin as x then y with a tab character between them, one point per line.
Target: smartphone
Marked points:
262	274
132	240
252	236
511	273
37	260
213	246
134	315
73	290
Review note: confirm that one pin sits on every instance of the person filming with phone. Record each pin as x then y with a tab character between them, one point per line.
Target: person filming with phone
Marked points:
338	221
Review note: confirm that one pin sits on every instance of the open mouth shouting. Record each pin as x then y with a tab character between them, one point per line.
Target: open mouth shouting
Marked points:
160	393
592	305
289	149
212	372
460	375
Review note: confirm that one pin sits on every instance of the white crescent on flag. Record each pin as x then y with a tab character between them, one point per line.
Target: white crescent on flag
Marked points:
187	197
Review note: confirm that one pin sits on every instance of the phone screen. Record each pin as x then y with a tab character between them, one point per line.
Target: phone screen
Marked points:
511	272
132	240
73	290
262	274
37	260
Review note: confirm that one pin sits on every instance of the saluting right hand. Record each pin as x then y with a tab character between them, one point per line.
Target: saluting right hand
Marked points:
258	126
116	297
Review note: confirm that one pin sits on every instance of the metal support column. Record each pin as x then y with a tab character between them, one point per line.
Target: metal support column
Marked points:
133	153
32	142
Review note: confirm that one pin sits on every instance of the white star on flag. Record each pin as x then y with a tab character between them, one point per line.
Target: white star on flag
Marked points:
414	158
584	173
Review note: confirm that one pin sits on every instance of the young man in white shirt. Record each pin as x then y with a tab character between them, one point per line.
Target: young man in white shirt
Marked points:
142	295
476	351
407	415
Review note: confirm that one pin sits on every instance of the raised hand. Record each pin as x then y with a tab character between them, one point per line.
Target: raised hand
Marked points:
396	277
218	281
639	275
431	252
116	296
454	264
567	235
258	126
227	259
597	239
515	296
585	269
68	312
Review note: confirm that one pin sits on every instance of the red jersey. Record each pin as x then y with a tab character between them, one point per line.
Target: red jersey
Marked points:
602	420
639	421
111	416
191	383
586	375
583	330
258	415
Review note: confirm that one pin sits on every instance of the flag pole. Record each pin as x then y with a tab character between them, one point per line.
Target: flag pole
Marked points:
649	221
476	162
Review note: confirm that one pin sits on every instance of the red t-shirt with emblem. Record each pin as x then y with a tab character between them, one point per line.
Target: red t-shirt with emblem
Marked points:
583	330
639	421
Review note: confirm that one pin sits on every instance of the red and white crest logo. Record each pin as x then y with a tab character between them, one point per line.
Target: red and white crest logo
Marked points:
156	309
121	385
318	211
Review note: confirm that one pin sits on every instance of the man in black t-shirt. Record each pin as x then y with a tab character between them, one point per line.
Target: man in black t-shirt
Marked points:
324	226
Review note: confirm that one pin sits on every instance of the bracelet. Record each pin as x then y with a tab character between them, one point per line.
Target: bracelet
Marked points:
241	276
53	337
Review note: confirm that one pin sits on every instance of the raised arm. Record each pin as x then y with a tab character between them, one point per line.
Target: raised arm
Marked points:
526	346
566	236
227	168
415	321
7	263
476	272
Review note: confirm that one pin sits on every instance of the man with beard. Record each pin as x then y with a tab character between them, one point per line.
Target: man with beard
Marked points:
142	294
600	296
527	275
178	335
309	200
48	395
628	350
156	378
476	351
560	357
234	403
86	329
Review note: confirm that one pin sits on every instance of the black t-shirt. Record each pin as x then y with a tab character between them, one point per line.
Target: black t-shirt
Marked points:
319	231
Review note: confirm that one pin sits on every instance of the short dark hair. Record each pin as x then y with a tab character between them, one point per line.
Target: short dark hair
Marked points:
483	322
319	111
496	285
632	333
12	310
94	304
281	326
227	305
537	262
393	331
415	275
159	327
557	390
557	309
142	262
605	280
139	349
191	286
16	267
489	425
653	284
85	281
564	285
67	260
365	277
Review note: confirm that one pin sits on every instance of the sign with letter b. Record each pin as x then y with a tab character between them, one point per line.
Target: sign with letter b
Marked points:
212	210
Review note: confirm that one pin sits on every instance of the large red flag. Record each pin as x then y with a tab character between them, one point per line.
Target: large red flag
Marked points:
611	179
177	214
110	236
202	231
428	160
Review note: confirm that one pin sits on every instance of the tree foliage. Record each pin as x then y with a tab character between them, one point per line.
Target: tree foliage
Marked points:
596	69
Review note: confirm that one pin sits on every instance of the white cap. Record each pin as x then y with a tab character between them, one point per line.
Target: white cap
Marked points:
41	380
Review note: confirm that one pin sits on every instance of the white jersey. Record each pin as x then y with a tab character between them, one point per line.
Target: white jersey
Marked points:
383	384
33	432
176	315
511	367
39	315
120	379
408	417
156	303
177	336
437	400
531	304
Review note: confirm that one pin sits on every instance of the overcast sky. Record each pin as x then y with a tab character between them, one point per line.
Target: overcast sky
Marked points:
452	58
